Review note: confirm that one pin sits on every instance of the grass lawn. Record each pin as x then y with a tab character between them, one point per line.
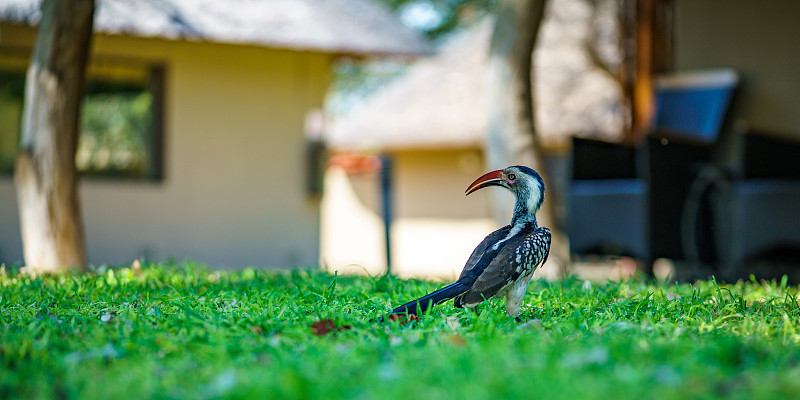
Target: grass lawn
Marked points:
186	332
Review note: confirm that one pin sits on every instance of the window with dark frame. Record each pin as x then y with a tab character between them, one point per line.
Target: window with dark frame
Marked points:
121	135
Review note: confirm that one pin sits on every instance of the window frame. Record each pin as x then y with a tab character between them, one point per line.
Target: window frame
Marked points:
155	84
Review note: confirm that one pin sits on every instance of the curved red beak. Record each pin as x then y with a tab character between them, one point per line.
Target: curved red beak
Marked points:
494	178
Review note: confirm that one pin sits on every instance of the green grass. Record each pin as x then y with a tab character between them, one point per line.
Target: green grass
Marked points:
186	332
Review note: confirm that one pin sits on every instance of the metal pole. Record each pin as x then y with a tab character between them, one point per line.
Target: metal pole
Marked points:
386	202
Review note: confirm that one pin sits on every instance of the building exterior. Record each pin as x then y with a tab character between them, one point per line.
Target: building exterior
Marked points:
230	86
432	122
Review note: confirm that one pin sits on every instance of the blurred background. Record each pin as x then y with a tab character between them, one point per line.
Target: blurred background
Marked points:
342	133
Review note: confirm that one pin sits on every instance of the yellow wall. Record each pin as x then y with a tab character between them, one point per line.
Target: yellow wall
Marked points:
233	193
435	226
757	38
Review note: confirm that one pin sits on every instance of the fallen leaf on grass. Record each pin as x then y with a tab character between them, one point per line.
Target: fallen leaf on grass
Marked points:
403	318
326	326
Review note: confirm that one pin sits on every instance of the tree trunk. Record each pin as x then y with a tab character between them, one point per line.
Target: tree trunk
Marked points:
45	174
511	139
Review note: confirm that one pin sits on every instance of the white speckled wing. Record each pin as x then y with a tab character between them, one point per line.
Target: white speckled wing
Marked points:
518	258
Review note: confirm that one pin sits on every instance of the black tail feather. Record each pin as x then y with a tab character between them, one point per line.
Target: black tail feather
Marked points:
421	304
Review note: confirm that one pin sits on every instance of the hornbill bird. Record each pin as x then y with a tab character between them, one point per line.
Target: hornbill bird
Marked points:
504	262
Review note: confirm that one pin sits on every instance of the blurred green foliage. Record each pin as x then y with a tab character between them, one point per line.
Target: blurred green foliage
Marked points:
115	126
12	90
116	137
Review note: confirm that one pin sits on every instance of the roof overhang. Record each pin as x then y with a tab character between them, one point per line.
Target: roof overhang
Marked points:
355	27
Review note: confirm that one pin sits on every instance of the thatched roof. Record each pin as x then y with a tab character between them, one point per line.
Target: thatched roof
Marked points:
438	103
337	26
442	101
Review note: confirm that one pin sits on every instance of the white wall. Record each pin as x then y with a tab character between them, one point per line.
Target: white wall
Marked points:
233	193
759	39
435	227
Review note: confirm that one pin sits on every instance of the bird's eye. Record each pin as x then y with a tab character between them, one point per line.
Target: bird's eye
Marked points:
512	177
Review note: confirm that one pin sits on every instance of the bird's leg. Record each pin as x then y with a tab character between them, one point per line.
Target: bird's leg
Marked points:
515	295
513	304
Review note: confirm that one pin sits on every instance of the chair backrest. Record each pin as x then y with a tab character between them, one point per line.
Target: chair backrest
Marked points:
694	104
769	156
595	159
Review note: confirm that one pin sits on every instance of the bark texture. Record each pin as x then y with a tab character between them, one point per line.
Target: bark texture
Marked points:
511	139
45	174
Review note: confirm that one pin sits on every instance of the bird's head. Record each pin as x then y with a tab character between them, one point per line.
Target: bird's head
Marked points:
526	185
